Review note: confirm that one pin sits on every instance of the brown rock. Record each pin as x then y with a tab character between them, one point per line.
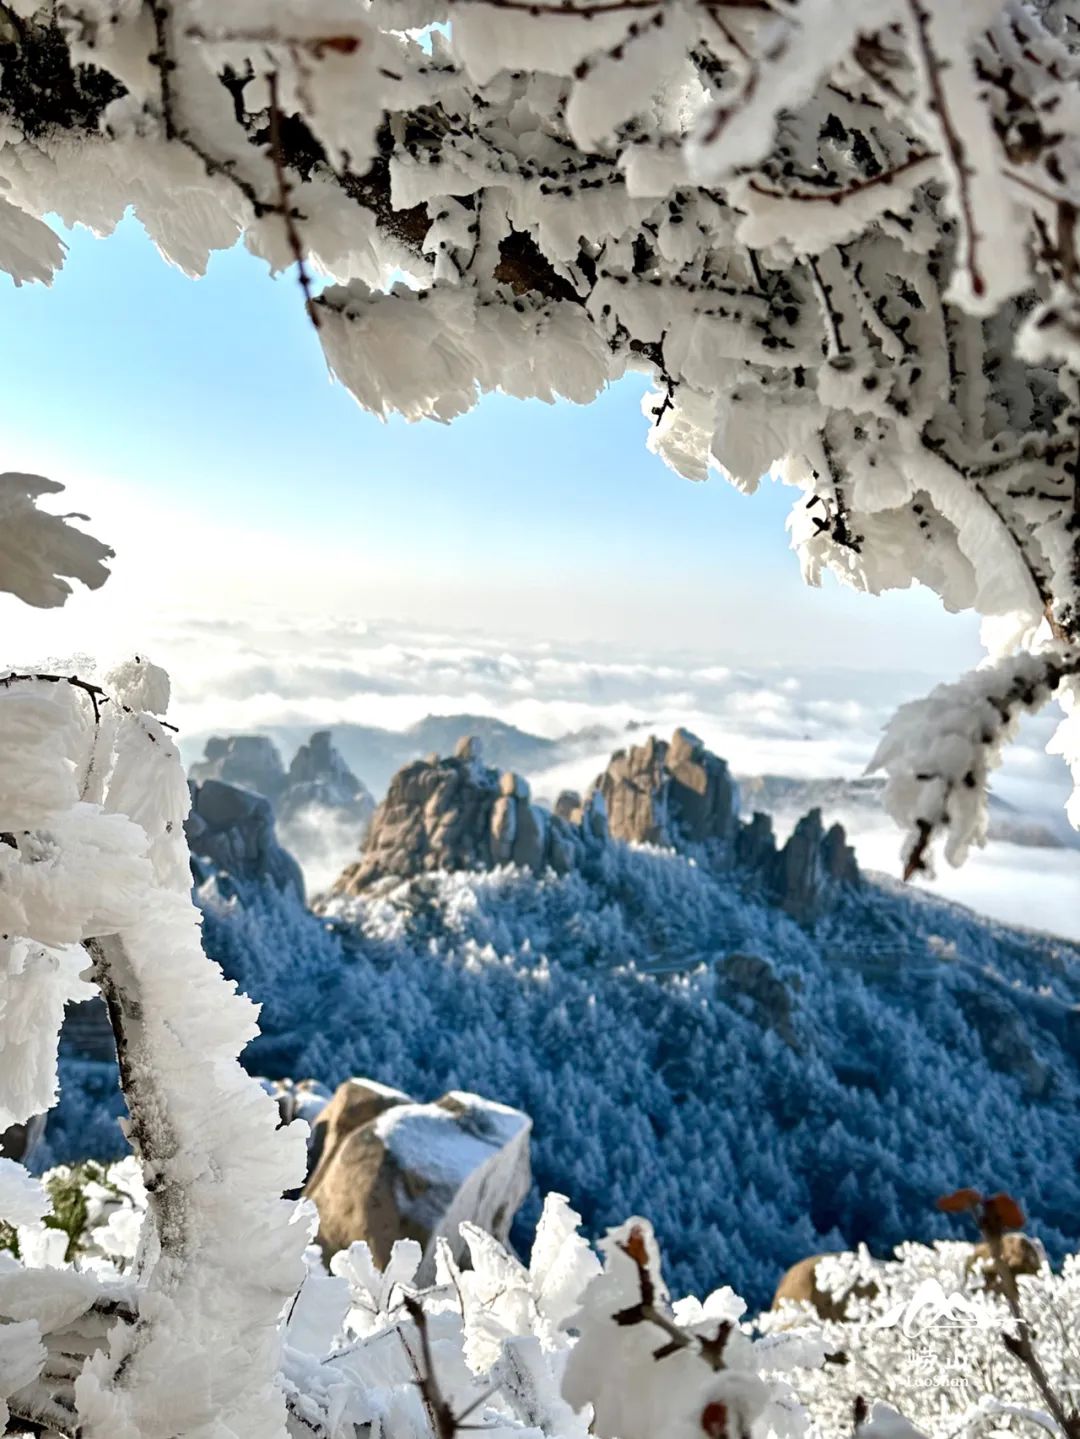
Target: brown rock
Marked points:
663	793
1020	1254
799	1286
528	836
503	828
417	1171
806	875
356	1102
456	814
568	806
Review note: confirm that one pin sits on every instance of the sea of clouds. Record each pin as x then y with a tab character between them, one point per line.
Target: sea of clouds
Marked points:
275	674
286	673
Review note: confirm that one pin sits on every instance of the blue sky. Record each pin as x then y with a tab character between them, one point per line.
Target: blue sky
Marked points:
196	422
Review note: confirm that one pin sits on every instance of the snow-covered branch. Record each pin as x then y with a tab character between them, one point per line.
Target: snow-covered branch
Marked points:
842	240
939	752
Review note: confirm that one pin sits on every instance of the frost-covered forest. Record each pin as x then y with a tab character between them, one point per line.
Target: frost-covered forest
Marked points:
842	242
908	1046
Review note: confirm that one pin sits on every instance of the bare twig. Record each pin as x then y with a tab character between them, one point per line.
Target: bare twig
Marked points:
995	1214
857	187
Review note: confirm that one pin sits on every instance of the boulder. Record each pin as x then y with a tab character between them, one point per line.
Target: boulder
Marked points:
230	833
799	1286
756	980
391	1169
355	1102
1021	1255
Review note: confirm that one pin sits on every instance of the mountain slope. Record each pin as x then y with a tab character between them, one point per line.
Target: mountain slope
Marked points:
762	1088
776	1092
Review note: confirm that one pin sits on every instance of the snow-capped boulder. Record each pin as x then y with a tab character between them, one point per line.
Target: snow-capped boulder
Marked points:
456	813
799	1285
354	1103
417	1171
230	833
663	792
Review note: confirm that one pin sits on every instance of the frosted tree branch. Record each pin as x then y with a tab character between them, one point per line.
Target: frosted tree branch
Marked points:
842	241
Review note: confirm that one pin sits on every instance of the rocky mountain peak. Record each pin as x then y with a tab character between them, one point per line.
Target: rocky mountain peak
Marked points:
230	833
669	792
249	760
456	813
318	776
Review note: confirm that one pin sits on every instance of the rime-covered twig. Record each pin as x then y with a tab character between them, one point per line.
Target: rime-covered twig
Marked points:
649	1311
285	205
938	752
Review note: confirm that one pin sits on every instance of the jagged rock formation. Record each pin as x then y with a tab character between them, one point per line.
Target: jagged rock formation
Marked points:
322	809
230	832
390	1169
457	813
249	760
319	778
779	795
804	876
664	792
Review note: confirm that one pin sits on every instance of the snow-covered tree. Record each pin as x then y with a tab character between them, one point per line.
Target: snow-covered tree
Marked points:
841	238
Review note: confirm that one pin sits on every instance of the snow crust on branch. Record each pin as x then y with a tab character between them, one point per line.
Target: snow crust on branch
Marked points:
570	1345
938	752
